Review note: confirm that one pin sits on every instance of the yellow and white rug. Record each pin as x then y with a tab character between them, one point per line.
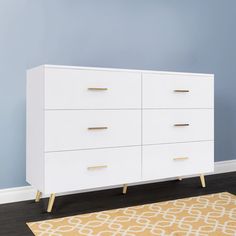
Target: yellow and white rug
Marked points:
213	215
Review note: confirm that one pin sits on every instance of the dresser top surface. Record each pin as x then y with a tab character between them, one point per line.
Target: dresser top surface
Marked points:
123	70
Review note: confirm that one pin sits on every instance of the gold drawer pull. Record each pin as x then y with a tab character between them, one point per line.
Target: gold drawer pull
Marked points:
97	89
97	128
180	158
181	91
97	167
179	125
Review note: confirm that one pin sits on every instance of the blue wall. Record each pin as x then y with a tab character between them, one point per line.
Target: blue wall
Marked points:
177	35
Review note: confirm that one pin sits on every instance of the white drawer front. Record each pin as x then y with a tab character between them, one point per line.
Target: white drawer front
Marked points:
76	129
85	89
177	125
171	160
177	91
69	171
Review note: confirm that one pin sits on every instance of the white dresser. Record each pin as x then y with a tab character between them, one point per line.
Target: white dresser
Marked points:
95	127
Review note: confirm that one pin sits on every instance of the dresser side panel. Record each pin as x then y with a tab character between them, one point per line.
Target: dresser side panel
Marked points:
35	128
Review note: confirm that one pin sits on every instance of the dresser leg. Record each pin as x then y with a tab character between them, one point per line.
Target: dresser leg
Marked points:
51	202
125	186
38	196
202	178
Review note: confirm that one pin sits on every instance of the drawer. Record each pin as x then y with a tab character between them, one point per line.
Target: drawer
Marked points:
69	171
177	125
91	89
83	129
171	160
178	91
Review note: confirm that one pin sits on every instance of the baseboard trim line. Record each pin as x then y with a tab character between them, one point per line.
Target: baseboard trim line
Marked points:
28	193
225	166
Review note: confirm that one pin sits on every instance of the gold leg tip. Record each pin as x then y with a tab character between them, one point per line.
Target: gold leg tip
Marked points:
203	182
125	187
49	210
38	196
51	202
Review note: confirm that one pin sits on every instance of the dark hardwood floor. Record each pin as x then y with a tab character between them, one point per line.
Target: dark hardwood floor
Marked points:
13	216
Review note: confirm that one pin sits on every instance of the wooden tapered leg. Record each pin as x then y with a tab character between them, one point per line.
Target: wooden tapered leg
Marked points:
125	186
38	196
51	202
203	183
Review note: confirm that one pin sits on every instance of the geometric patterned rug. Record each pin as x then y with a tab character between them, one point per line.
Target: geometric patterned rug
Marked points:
213	215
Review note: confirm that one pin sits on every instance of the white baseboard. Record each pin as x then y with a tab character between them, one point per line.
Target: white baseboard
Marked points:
28	193
225	166
16	194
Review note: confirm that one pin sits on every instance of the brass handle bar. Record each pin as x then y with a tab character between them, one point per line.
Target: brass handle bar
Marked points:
97	128
180	158
97	89
97	167
181	91
179	125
